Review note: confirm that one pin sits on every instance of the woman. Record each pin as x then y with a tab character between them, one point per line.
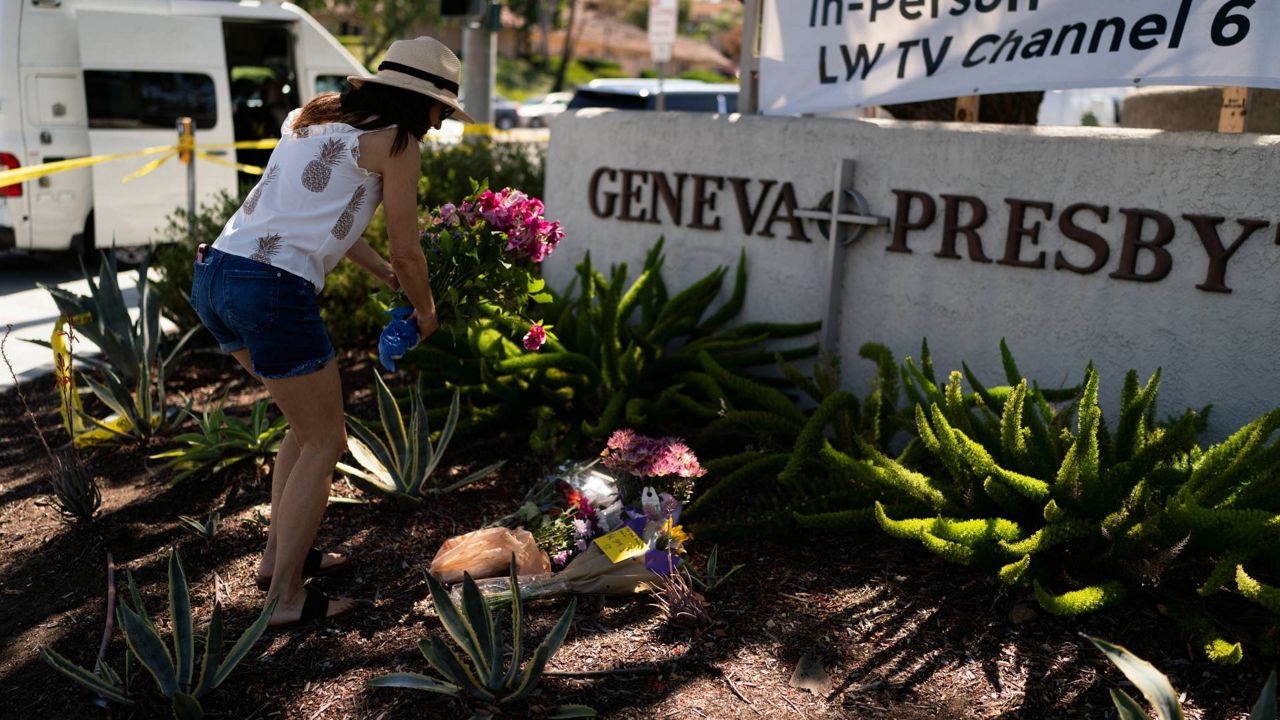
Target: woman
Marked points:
255	289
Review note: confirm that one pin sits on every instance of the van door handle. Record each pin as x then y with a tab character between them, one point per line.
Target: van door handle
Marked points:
219	153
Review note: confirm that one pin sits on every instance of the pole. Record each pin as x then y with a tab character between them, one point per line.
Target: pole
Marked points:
479	52
662	95
187	138
748	100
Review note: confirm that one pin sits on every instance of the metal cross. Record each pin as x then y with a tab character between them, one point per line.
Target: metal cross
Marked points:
843	223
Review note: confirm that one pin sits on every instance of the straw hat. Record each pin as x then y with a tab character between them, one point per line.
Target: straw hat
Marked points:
424	65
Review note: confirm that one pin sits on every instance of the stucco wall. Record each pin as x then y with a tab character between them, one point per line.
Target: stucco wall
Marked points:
1214	347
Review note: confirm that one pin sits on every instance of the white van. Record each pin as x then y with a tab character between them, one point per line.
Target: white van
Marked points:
91	77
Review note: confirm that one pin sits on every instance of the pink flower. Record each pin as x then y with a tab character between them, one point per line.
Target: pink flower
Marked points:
535	337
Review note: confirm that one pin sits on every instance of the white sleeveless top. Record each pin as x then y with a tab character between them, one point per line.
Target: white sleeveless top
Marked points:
311	205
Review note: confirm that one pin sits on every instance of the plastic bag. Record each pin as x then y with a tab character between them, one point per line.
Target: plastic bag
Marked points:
487	553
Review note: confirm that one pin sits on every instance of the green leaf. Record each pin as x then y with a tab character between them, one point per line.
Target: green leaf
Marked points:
1144	676
517	625
212	651
453	623
146	645
186	707
392	422
180	617
571	711
480	623
533	672
1265	708
243	645
415	681
84	677
1127	707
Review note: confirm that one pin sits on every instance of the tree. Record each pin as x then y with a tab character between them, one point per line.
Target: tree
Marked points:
384	21
566	51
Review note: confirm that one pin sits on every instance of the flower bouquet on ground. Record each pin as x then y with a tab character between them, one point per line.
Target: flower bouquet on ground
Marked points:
638	461
632	559
483	256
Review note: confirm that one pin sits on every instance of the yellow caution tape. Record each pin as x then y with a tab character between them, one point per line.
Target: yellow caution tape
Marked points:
71	408
31	172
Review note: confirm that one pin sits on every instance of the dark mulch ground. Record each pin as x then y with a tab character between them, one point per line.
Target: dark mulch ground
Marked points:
902	634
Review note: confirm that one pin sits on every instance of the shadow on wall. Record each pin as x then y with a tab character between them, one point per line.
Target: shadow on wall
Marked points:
1196	108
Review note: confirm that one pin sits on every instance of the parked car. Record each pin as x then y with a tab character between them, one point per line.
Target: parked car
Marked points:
91	77
506	113
537	111
642	94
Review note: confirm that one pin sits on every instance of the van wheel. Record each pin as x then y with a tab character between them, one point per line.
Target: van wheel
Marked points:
130	257
505	123
82	250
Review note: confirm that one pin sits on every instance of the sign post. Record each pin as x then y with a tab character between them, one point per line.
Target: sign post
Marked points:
663	22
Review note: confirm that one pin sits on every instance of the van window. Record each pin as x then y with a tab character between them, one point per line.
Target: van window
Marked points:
127	99
693	102
331	83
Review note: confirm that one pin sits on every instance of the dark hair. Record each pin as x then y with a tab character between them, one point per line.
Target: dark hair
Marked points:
372	106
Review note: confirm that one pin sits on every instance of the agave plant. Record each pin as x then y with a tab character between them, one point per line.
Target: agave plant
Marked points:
132	366
402	465
206	529
1155	687
174	672
711	579
481	674
75	492
222	441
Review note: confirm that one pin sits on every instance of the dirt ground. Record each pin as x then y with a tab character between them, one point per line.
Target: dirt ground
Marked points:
901	634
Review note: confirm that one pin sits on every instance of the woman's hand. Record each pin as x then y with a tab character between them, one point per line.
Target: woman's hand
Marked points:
427	323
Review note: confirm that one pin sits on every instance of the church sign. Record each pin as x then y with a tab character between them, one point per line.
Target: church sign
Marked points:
1131	249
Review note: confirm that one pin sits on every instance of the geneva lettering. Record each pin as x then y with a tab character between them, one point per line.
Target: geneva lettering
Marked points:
1125	243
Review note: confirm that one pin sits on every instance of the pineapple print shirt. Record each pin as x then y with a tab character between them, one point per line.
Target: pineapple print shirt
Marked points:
310	206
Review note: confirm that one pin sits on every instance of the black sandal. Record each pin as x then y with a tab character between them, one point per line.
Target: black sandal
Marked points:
314	607
311	567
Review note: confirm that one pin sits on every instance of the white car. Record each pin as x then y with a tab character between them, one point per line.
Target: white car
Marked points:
537	112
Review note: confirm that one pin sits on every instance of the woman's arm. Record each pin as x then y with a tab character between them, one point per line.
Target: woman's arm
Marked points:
400	203
369	259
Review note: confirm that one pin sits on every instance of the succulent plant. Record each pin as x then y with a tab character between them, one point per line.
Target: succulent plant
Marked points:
481	673
402	466
174	672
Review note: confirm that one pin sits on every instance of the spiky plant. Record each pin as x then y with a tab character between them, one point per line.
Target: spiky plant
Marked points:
347	219
316	175
222	442
625	354
75	492
251	202
403	464
678	604
481	674
173	671
1158	691
711	578
206	529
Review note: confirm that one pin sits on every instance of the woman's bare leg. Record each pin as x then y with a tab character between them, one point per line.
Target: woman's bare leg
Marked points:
312	404
285	459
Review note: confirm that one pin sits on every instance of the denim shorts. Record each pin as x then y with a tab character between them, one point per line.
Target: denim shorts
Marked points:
272	312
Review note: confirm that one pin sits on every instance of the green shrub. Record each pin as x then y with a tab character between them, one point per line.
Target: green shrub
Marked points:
222	442
625	354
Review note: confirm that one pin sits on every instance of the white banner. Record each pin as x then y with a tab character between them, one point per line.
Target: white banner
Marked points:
826	55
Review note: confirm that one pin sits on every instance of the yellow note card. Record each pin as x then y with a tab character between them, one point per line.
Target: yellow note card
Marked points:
621	545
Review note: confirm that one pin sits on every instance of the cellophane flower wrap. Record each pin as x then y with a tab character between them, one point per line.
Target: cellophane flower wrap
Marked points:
483	256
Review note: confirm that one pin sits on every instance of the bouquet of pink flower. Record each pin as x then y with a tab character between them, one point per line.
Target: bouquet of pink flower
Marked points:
483	256
665	463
